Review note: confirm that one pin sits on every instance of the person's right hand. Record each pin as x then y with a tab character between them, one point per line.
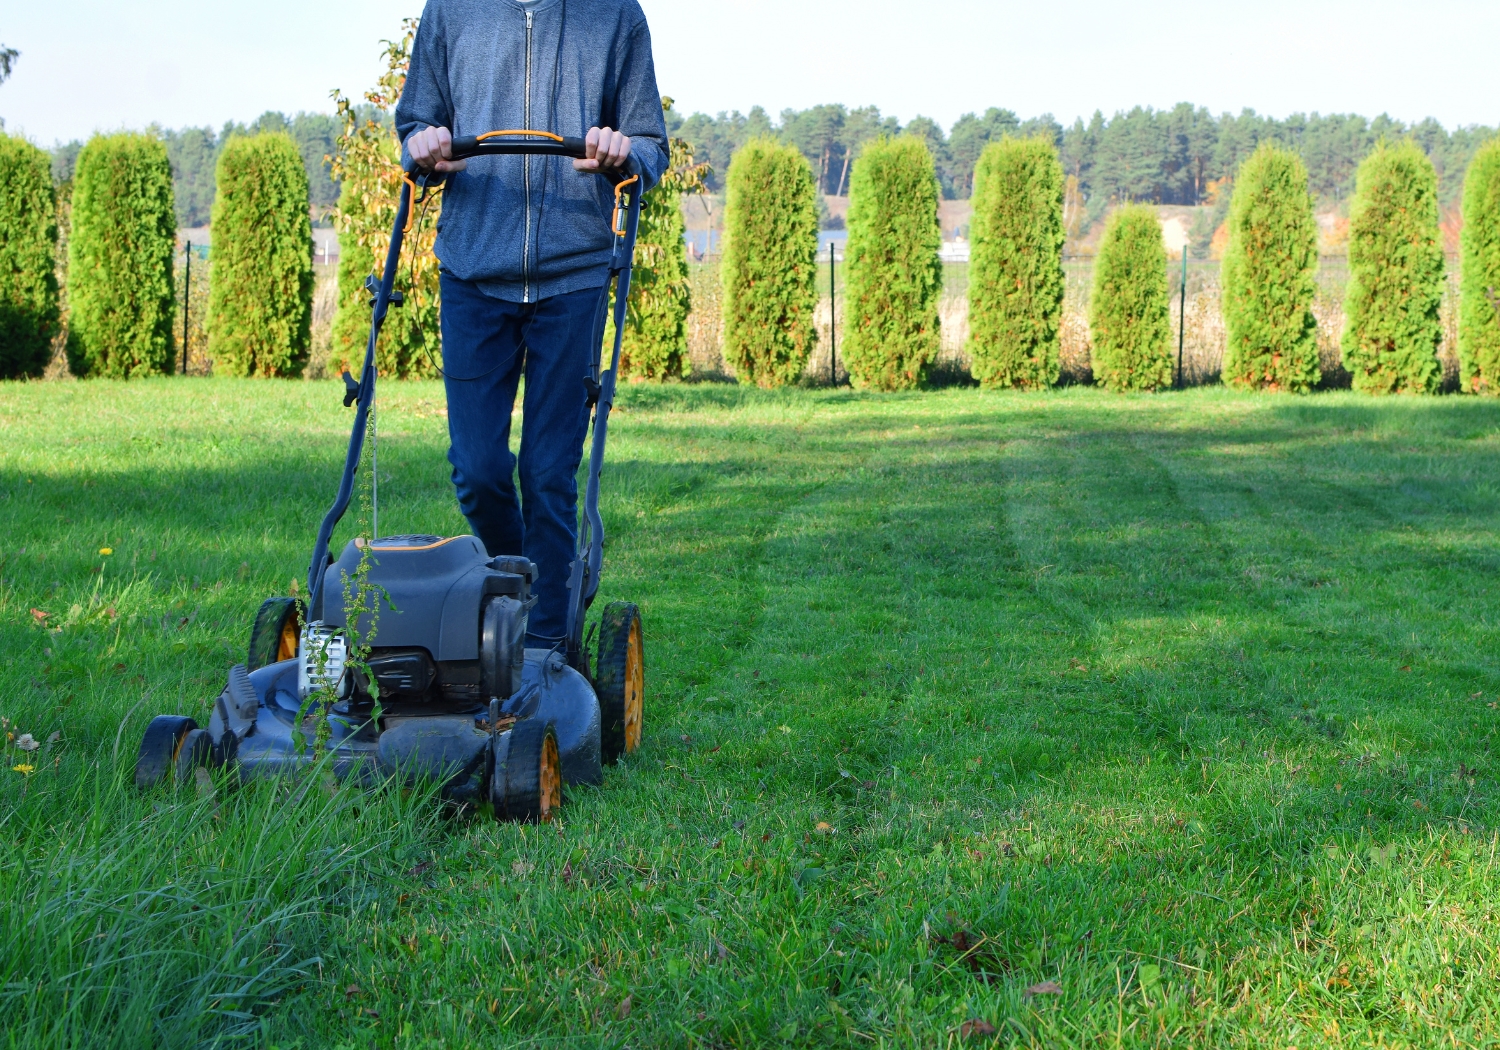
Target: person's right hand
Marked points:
432	150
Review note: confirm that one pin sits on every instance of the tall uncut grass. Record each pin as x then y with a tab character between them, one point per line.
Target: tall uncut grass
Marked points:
175	918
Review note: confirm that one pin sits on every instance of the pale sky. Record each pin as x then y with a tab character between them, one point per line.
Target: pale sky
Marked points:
91	65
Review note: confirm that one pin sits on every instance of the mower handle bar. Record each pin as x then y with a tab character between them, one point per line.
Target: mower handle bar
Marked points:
468	146
471	146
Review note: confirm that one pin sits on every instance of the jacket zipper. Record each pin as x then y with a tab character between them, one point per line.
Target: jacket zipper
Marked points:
526	167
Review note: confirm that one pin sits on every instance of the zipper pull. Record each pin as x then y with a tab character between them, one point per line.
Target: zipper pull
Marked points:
528	19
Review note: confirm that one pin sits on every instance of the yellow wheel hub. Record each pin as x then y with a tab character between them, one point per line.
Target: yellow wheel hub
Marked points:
635	687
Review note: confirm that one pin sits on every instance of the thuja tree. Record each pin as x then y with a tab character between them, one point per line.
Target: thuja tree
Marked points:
368	161
124	236
1268	276
260	304
769	267
1128	318
1392	325
29	310
893	276
1015	269
655	344
1479	305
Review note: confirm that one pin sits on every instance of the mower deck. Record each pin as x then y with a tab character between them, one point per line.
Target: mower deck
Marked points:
446	745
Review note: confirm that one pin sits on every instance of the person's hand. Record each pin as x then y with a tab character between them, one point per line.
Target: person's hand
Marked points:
432	150
605	150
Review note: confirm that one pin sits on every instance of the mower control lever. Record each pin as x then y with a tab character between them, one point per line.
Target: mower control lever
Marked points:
372	285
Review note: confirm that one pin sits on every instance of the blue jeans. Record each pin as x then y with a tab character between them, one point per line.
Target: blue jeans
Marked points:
486	344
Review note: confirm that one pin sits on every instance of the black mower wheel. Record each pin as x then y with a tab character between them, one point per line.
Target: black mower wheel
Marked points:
527	784
171	744
276	633
621	680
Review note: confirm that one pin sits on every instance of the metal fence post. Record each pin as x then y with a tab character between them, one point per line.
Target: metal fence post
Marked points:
187	299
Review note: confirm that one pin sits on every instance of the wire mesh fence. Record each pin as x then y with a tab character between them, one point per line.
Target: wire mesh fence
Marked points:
1202	345
325	305
193	277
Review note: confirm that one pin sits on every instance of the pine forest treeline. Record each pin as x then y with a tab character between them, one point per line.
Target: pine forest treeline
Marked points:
1168	156
194	154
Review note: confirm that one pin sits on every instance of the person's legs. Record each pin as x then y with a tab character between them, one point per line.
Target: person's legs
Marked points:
559	355
482	358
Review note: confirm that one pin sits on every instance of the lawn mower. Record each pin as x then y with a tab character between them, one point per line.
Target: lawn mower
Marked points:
447	692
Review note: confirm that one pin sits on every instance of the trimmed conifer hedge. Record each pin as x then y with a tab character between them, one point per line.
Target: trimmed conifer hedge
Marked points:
770	263
1128	317
29	310
893	275
1392	326
260	303
1015	266
121	304
1479	305
1268	276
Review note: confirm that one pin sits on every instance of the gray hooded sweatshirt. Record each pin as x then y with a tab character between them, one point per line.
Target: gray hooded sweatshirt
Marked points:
528	228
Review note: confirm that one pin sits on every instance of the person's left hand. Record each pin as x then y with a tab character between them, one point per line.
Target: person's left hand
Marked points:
606	151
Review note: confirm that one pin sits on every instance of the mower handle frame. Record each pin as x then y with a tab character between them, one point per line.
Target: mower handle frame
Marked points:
600	383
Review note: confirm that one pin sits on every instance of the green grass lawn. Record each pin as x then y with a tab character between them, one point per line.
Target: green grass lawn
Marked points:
1065	719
